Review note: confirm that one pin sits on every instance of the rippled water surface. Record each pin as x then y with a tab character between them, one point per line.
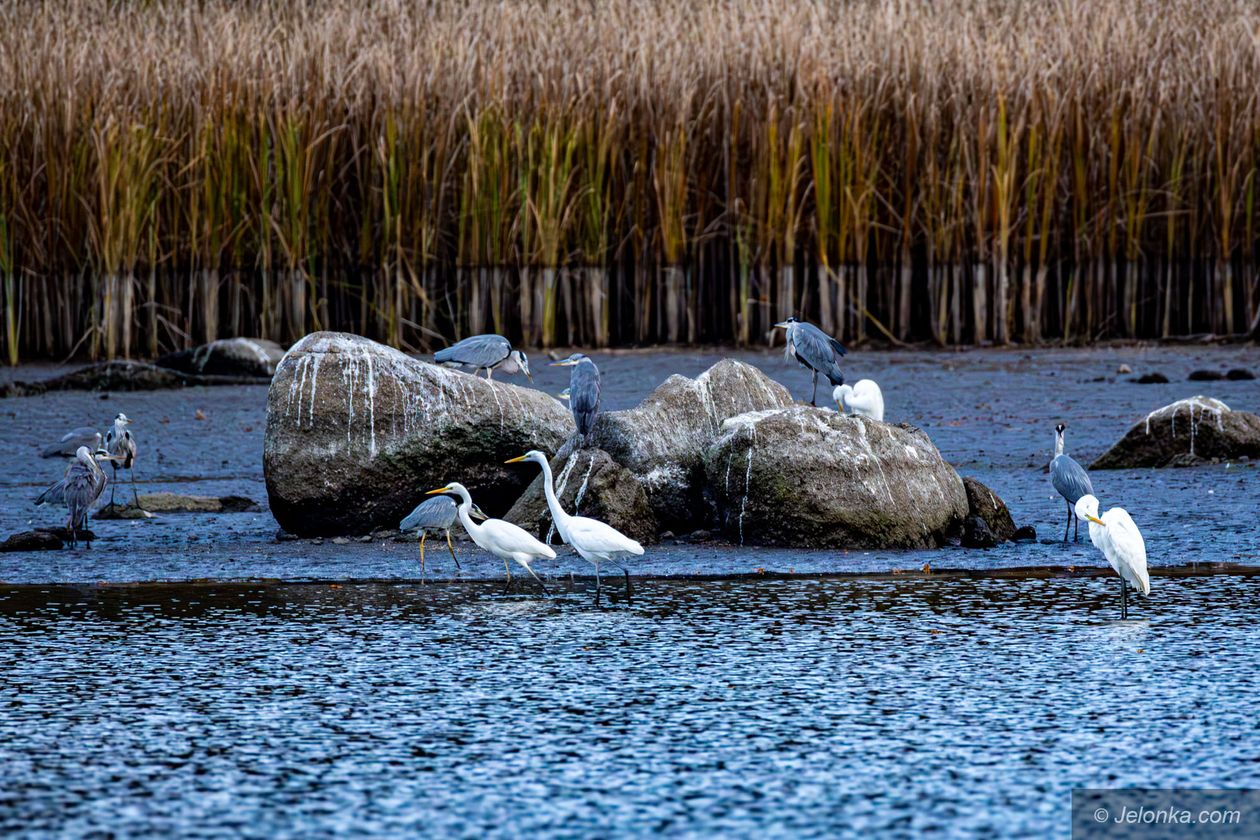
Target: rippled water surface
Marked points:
743	708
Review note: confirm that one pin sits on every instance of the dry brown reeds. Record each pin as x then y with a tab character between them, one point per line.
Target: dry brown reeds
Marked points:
627	171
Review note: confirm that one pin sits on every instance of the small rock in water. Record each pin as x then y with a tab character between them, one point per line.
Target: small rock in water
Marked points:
1124	369
1155	378
667	535
200	415
366	538
284	536
1026	533
1239	375
1205	376
37	540
977	534
699	536
340	541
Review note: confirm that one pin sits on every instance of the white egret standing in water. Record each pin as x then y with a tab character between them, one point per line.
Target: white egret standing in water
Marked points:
502	539
597	542
1118	538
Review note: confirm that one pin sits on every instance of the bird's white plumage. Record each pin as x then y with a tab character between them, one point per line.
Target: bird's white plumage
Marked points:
502	539
862	398
1120	541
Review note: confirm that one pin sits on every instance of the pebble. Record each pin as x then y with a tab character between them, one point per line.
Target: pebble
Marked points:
340	541
1124	369
1156	378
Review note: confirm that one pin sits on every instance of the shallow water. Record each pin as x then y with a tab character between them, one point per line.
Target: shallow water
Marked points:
890	704
740	708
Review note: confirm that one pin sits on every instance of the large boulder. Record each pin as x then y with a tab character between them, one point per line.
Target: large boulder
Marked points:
588	483
813	478
662	441
357	431
227	357
1185	433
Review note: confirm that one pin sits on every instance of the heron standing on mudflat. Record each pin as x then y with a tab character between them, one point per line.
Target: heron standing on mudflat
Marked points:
121	447
435	515
71	441
1070	479
814	349
583	392
78	490
485	352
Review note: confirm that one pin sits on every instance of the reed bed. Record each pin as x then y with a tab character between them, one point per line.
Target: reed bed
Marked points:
630	171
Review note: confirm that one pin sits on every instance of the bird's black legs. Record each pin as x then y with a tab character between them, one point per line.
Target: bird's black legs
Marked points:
113	484
1124	599
537	578
135	497
629	588
452	549
1068	527
813	397
1077	536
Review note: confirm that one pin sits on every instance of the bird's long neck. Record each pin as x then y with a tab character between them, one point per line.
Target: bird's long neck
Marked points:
1058	444
553	502
465	517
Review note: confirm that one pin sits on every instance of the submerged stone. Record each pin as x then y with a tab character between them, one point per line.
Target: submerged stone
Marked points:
1185	433
1155	378
255	357
813	478
40	539
357	431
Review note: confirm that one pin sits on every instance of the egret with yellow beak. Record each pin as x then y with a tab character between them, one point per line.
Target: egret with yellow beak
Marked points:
502	539
1118	538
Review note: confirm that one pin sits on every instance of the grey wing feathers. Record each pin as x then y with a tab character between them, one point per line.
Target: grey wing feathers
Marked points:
71	441
481	351
584	387
1070	479
821	351
54	495
82	487
437	513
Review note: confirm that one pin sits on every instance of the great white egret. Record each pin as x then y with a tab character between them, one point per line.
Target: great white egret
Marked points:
1118	538
1070	479
502	539
815	350
79	489
863	399
584	388
597	542
485	352
121	446
436	515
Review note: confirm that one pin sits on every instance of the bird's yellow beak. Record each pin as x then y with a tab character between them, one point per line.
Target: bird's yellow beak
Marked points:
433	492
565	363
515	460
781	325
1094	519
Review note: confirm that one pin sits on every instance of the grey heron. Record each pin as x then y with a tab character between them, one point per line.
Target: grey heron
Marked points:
814	349
1070	479
435	515
502	539
1116	535
863	399
79	489
121	446
485	352
597	542
584	387
71	441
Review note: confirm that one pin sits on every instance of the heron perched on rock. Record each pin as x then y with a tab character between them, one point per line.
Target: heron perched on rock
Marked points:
502	539
814	349
1117	536
583	393
79	489
485	352
121	446
1070	479
435	515
863	399
71	441
597	542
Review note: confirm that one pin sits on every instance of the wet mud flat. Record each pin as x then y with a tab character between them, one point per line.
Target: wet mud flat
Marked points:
991	413
803	707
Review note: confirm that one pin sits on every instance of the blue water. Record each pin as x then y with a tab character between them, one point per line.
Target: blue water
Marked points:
737	708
